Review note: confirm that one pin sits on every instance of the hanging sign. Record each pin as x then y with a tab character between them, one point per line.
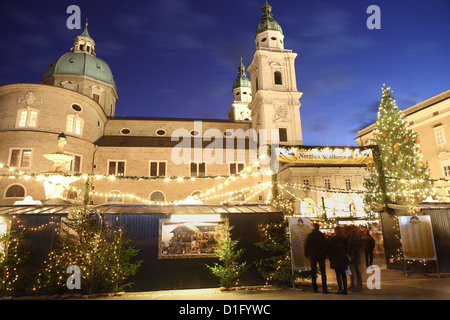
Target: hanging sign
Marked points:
299	228
327	155
417	238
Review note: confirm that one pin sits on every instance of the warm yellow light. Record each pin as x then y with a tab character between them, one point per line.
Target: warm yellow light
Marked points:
195	218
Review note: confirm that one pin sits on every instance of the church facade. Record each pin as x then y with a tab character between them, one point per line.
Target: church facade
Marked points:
139	159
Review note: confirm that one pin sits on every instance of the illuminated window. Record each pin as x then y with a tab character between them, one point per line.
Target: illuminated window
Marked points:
26	117
116	167
74	124
20	158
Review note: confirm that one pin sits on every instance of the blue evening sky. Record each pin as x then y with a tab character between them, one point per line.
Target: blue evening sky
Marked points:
179	58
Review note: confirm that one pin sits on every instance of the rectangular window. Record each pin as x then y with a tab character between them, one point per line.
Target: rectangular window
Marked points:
116	168
96	97
282	134
74	124
75	164
27	118
306	183
327	183
348	184
236	167
20	158
198	169
447	171
439	136
23	118
157	168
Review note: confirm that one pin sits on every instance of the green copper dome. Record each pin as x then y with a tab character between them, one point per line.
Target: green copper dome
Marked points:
77	63
267	21
241	80
81	61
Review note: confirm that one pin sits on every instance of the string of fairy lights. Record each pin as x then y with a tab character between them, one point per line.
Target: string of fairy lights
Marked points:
209	194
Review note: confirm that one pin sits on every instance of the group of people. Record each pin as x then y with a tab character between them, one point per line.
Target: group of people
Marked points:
343	250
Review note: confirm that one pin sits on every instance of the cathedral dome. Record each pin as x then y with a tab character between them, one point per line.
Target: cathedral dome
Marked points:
267	21
82	60
78	63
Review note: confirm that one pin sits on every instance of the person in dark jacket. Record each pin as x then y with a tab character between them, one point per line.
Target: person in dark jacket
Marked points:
339	260
316	249
368	244
355	247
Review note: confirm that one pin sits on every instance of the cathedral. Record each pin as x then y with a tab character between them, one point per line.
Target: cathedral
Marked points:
58	132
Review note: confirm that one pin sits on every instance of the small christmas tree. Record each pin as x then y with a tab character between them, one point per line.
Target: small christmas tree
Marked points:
407	176
230	268
99	250
12	255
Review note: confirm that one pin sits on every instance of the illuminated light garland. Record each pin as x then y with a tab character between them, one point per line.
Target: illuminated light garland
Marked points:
256	192
296	197
251	188
304	187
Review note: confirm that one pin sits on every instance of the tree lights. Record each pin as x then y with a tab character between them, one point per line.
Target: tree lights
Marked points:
401	160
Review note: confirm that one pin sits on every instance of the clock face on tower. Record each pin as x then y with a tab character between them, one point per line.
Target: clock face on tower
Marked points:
281	112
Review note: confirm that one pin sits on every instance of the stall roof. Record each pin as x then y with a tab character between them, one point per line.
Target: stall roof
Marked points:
138	208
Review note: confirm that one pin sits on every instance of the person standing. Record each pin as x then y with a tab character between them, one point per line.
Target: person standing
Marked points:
339	260
354	242
368	245
316	249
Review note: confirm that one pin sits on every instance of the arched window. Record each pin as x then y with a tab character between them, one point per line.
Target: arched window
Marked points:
277	77
115	196
157	196
15	191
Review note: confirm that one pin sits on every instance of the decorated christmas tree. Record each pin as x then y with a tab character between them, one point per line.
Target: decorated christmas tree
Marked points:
229	269
100	250
406	178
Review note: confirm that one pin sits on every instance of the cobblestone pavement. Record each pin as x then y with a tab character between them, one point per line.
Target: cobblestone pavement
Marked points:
394	285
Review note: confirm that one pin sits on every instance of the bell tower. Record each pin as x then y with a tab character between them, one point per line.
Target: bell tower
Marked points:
242	96
275	103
